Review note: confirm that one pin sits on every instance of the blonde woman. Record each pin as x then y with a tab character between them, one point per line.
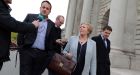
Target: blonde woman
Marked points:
82	50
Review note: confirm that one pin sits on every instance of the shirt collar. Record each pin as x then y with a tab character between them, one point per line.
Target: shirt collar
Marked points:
102	36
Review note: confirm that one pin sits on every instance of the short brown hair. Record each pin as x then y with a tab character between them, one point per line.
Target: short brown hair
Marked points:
107	28
47	2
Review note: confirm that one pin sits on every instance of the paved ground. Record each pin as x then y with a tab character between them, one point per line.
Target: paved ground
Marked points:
118	71
10	69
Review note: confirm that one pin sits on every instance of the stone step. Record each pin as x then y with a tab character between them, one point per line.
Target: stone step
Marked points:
118	71
120	59
10	69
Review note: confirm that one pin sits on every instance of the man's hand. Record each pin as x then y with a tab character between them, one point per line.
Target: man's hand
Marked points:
61	41
69	56
36	23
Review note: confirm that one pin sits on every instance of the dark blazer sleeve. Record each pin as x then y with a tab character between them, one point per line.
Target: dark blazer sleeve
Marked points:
94	38
51	36
10	24
57	36
20	39
21	36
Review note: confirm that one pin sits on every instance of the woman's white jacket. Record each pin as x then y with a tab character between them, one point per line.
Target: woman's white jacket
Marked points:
90	56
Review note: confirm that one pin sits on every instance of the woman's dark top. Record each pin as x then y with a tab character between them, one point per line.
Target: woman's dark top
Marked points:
81	51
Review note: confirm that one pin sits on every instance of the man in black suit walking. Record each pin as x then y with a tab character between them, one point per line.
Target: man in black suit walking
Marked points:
36	45
59	42
7	25
103	50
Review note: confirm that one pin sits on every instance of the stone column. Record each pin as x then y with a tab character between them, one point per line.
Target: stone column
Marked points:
136	58
86	12
70	18
79	7
94	16
117	21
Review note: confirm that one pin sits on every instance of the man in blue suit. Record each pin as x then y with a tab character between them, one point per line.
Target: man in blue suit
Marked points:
103	50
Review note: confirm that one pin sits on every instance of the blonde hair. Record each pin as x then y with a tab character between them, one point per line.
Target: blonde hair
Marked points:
89	26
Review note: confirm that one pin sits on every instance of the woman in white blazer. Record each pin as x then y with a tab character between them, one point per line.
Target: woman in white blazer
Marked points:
82	50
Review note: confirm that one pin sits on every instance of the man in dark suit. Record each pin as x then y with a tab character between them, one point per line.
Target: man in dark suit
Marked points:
59	42
36	46
7	25
103	50
58	22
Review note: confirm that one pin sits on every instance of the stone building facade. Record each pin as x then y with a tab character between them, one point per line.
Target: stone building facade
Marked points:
124	18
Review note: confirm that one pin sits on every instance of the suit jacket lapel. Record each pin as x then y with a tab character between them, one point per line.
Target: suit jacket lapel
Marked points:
34	17
30	19
108	44
102	41
48	28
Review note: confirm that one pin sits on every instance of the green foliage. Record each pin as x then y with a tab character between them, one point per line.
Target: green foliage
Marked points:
13	36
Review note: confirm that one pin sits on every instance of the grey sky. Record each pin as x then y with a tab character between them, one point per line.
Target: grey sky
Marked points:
20	8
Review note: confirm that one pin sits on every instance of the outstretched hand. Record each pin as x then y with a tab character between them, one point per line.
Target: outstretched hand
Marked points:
36	23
